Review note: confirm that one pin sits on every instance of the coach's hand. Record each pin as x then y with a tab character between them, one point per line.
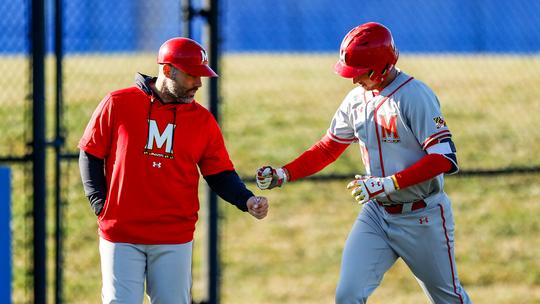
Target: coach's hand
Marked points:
268	177
365	188
257	206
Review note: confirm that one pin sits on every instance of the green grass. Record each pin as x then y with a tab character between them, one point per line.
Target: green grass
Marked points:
274	107
293	256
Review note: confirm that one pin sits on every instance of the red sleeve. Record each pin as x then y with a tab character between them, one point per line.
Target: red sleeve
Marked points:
316	158
96	139
215	158
426	168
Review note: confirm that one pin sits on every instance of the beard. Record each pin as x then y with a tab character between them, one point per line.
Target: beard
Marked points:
181	94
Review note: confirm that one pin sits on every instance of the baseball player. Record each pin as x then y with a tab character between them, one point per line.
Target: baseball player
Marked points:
140	158
406	147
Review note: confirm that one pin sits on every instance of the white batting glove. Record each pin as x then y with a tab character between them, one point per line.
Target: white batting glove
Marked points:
268	177
365	188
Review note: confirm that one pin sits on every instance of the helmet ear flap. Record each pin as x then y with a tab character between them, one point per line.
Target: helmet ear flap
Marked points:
382	75
386	69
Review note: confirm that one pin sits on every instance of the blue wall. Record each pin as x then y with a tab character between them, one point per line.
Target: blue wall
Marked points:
417	25
288	25
94	25
5	235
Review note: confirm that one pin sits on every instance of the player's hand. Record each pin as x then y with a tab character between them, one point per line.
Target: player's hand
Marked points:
365	188
268	177
257	206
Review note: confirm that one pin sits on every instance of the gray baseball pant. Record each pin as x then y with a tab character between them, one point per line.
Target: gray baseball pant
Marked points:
424	239
165	268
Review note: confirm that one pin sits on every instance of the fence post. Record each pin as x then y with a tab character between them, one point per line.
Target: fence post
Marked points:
38	150
213	93
58	144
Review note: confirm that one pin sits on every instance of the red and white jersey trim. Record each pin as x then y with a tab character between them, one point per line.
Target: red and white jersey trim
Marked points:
340	140
435	138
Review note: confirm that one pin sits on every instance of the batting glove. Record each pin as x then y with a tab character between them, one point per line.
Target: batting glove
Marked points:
366	188
268	177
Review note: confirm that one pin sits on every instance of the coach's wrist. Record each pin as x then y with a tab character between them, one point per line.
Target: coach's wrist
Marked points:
97	206
97	201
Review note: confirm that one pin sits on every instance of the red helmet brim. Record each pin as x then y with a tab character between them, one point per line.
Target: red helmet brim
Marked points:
346	71
201	70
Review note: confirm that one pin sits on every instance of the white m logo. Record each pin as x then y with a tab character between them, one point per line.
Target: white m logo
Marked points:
342	56
204	57
160	139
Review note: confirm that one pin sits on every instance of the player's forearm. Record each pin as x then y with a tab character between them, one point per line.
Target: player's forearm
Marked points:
426	168
316	158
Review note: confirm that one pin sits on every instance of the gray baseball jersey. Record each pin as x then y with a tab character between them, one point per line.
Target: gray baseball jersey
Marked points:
395	129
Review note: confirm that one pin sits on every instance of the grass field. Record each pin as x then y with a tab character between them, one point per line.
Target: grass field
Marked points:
274	107
294	255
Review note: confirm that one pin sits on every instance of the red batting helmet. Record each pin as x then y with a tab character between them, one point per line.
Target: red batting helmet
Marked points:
187	56
367	48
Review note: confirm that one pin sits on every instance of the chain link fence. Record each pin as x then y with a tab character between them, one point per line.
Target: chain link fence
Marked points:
106	43
278	90
279	95
480	57
15	139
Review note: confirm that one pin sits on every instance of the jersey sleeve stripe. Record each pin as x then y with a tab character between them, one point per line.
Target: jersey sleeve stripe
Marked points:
339	139
435	138
453	159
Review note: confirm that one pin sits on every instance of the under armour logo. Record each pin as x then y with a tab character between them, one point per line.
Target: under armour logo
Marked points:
423	220
377	183
156	165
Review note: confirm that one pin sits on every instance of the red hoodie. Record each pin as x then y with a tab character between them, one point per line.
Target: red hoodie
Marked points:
153	153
